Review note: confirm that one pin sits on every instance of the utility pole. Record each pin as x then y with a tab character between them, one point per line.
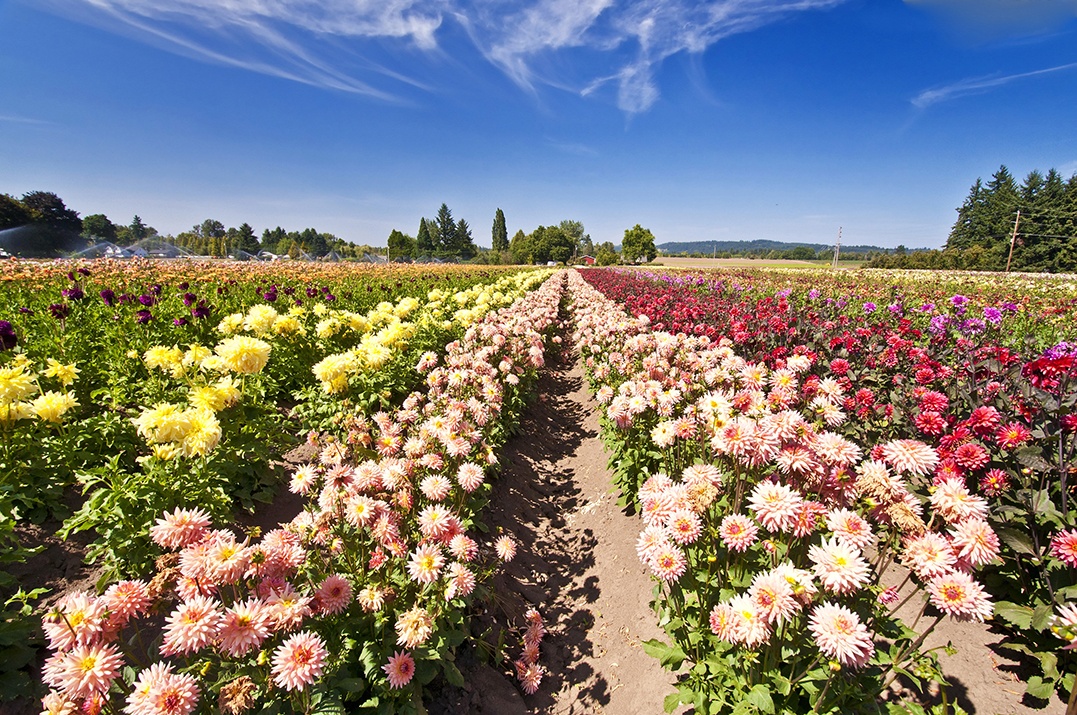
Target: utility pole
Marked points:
1013	240
837	249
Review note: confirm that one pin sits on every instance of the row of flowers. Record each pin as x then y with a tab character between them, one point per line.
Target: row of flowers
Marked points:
359	599
997	405
786	553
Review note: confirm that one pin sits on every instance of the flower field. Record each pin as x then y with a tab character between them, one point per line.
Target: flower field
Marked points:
811	456
795	440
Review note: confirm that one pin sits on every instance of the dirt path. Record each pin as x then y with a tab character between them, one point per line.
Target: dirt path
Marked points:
577	563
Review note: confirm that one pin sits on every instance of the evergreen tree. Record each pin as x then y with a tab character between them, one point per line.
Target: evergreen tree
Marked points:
971	219
445	229
272	240
424	242
500	234
245	240
137	230
463	245
1002	202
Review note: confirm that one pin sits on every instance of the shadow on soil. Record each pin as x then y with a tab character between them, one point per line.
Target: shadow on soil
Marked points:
535	491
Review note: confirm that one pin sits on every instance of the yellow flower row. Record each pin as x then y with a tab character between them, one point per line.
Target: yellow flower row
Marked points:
18	383
442	310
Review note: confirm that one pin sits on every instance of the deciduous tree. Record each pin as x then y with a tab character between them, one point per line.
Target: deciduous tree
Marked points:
638	245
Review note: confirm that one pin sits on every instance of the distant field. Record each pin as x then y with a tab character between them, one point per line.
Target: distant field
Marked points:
675	262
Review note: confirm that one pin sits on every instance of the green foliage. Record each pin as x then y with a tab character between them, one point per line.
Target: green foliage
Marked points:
606	254
499	234
401	245
638	245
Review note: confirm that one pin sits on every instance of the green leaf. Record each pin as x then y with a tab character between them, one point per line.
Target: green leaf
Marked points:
1042	616
671	702
1037	687
759	696
1049	665
1019	616
669	656
1019	541
352	685
453	674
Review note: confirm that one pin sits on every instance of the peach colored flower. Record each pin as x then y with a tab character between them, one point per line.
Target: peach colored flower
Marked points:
244	626
505	546
193	625
953	502
425	564
929	555
180	528
960	596
299	661
333	595
775	505
975	541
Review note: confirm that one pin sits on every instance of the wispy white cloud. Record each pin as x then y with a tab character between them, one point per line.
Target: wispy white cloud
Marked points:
574	148
636	36
536	42
977	85
19	119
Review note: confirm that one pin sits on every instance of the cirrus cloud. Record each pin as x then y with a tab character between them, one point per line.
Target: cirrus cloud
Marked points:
575	45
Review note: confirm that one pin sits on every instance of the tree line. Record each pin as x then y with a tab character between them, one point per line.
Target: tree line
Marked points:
39	224
1005	225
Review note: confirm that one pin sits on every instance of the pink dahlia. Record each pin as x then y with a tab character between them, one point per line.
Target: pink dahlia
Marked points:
684	526
668	563
738	532
1064	547
850	528
839	567
749	626
959	595
299	661
180	528
774	597
333	595
840	635
953	502
400	669
974	541
192	626
909	455
929	555
89	669
505	546
775	505
244	626
125	600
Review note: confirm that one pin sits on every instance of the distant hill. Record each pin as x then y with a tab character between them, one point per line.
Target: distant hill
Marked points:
759	246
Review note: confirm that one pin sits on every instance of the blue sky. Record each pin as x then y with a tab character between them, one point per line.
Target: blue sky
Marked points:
728	120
